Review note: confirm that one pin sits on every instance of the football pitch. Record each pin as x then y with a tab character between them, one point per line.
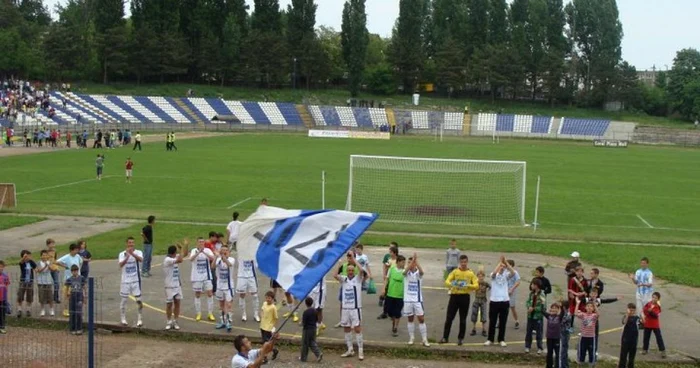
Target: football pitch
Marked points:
638	194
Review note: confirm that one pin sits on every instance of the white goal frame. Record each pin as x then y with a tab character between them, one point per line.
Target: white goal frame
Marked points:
348	205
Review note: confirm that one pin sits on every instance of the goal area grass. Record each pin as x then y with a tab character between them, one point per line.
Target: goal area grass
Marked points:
639	194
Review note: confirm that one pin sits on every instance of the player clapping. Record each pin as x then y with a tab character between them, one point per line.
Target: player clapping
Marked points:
173	289
225	286
201	278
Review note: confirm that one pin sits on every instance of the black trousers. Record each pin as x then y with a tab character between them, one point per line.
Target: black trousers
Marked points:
75	311
628	351
647	337
3	309
308	341
267	336
498	312
137	144
458	303
553	353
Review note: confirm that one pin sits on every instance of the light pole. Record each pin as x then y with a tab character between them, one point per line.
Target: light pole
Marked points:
294	75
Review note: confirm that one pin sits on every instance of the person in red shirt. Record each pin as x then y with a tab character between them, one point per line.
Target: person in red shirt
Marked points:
577	291
68	138
129	166
651	320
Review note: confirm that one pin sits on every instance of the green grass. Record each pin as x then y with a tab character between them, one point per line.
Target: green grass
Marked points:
587	193
8	221
339	97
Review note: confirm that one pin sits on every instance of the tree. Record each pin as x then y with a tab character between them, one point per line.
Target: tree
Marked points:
34	11
406	51
627	88
354	39
555	50
332	51
477	27
684	84
519	45
498	22
450	65
301	37
231	49
111	36
267	57
380	80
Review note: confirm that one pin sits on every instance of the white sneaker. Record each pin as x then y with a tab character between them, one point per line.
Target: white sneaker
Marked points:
348	354
426	343
487	343
124	322
527	350
503	344
139	322
361	355
256	318
52	313
42	313
168	325
410	342
176	327
244	318
539	351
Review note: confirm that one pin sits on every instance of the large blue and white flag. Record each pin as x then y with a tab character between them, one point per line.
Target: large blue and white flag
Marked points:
296	247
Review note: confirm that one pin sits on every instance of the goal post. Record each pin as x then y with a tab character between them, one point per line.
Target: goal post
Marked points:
438	191
8	196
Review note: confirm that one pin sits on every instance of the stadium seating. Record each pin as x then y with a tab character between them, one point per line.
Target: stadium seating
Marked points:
454	121
346	116
330	116
362	117
239	112
317	115
202	106
171	109
378	117
583	127
290	113
73	109
273	113
219	106
542	124
487	122
256	112
105	104
119	101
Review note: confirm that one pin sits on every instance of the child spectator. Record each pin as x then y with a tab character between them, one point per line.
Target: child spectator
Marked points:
84	253
577	291
268	320
553	335
630	337
566	330
25	292
651	319
535	306
480	305
546	285
388	261
452	257
309	319
45	283
598	302
363	260
589	319
4	285
513	284
595	282
53	268
77	285
644	279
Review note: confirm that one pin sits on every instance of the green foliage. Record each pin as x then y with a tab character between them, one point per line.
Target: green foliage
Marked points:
354	39
380	80
406	51
684	84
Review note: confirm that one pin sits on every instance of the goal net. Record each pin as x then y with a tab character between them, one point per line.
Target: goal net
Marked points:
438	191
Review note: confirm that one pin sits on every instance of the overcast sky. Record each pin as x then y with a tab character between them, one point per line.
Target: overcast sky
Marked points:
654	29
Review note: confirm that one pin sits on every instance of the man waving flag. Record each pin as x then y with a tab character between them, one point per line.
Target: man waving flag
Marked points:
296	247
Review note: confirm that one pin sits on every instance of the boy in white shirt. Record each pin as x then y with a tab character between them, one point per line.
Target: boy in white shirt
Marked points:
224	286
130	265
201	278
173	285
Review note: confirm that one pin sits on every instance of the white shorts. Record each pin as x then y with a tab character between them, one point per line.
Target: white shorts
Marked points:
199	286
351	317
173	294
128	172
413	309
247	285
130	289
319	299
224	295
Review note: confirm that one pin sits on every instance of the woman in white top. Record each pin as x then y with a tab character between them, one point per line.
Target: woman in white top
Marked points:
500	301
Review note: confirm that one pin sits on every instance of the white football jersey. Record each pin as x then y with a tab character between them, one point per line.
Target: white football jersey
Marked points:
320	286
246	269
201	270
131	272
351	292
172	272
233	228
224	274
412	290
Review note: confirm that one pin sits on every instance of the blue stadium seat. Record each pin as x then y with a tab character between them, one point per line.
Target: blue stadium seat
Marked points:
159	113
541	124
219	106
330	115
128	109
505	122
90	100
256	112
272	112
317	115
201	108
73	109
362	117
378	116
168	105
583	127
290	113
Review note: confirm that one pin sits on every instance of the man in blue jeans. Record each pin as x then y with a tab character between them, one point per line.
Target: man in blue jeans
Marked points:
147	235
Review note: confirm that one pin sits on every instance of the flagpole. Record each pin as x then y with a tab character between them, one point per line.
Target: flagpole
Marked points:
293	311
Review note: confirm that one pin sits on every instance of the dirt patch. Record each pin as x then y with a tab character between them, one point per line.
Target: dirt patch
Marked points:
18	149
25	347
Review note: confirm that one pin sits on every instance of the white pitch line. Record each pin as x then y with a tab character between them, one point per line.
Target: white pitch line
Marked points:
239	203
62	185
645	221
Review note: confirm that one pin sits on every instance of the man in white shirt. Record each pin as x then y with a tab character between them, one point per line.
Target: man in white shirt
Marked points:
500	301
173	284
247	357
232	230
130	265
413	300
644	279
351	304
247	283
224	286
67	261
201	277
